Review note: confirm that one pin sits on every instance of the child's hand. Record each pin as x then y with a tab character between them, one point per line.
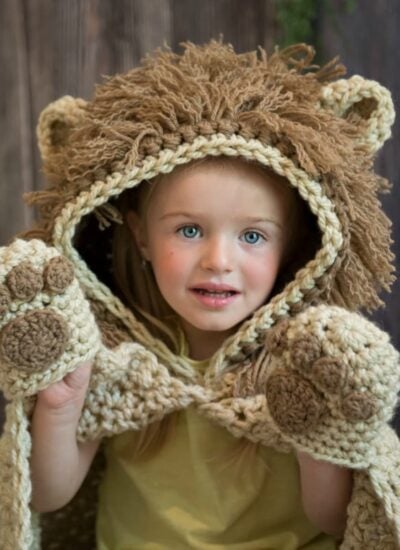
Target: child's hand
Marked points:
69	392
319	479
58	463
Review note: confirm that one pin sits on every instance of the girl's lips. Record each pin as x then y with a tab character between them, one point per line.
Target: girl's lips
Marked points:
215	298
216	287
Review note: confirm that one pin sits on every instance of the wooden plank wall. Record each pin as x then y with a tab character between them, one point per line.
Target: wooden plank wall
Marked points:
49	49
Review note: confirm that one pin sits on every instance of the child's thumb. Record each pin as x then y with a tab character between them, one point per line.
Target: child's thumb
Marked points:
78	379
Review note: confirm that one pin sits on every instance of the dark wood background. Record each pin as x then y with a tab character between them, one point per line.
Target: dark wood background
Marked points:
50	48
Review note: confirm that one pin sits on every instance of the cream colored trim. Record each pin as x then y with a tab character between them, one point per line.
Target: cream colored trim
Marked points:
165	162
342	94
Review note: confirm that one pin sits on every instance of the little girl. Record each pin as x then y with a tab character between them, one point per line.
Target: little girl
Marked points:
215	235
214	207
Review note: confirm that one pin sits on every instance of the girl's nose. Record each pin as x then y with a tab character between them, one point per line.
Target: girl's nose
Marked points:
218	255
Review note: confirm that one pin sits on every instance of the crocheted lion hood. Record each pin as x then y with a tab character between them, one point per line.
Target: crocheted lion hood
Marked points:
306	370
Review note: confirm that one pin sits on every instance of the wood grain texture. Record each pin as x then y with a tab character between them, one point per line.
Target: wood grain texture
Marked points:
16	154
49	49
368	42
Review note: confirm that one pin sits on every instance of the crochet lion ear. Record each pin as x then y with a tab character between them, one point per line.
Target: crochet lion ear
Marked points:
56	122
364	103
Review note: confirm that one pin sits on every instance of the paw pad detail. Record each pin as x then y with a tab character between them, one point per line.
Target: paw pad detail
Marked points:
305	350
344	371
24	281
58	274
359	406
293	403
329	374
33	341
5	299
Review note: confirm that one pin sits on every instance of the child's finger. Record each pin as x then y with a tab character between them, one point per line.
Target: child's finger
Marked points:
79	378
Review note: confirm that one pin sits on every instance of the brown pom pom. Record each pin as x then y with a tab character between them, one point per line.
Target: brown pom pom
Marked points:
5	299
305	350
358	406
35	340
24	281
330	374
276	337
58	274
294	405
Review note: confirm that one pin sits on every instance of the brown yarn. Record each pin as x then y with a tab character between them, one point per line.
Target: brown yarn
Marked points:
34	341
276	337
366	254
359	406
105	320
293	403
5	299
330	374
58	274
111	336
363	108
305	349
24	281
250	378
212	89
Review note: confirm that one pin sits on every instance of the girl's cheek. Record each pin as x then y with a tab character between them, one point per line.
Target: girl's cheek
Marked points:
260	271
167	262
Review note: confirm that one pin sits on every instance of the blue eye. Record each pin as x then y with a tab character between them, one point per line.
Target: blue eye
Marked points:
189	231
252	237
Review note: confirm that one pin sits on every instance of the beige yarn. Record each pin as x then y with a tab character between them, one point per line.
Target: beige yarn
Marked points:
130	388
83	334
56	123
341	96
299	374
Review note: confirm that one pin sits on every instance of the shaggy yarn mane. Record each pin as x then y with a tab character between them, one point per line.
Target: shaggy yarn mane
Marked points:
173	98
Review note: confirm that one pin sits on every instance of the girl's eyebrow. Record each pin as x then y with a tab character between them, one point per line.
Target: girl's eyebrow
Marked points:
176	214
252	219
247	219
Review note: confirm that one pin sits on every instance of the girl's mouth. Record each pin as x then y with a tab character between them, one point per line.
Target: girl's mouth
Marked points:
215	298
216	293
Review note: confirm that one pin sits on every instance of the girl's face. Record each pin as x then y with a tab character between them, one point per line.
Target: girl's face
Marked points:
215	237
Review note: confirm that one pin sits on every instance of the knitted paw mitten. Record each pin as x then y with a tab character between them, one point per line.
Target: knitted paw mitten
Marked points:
333	383
46	326
47	329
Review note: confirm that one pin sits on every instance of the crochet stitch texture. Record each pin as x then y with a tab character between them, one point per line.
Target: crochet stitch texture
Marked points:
306	371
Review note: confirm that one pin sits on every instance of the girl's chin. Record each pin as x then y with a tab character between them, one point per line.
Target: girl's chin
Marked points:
211	328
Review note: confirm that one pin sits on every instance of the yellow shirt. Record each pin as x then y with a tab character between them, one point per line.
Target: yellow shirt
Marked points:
191	494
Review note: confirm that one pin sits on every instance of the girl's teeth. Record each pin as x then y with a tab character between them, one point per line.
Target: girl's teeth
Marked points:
220	294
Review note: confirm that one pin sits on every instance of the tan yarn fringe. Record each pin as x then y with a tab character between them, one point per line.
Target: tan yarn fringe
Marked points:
212	89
